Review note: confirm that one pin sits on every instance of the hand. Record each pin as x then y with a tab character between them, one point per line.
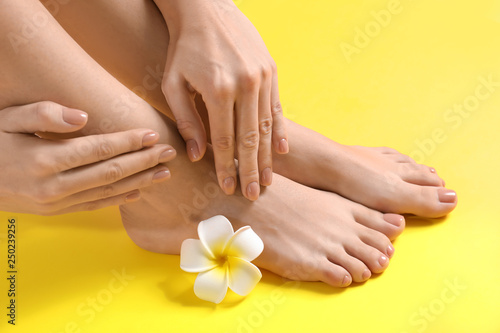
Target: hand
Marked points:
216	52
49	177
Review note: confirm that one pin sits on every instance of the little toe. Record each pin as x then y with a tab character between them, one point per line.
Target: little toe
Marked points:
334	275
375	260
421	175
356	268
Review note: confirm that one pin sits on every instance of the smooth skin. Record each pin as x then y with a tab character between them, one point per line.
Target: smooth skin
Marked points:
48	177
309	234
380	178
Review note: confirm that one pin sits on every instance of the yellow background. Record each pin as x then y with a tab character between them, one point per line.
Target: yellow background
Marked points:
395	91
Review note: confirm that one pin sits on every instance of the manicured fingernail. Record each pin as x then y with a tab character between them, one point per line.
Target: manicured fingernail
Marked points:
447	196
346	281
229	185
390	250
74	117
161	176
383	260
133	196
193	150
266	177
394	219
167	155
253	191
283	146
366	275
150	139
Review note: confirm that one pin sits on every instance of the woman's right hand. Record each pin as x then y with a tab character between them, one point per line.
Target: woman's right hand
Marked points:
50	177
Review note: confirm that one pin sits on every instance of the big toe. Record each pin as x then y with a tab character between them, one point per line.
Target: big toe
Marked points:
427	201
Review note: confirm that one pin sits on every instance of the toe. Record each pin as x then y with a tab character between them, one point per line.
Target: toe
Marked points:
356	268
391	225
375	260
334	275
420	175
427	201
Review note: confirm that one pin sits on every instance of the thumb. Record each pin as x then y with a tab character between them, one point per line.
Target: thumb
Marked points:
187	119
42	117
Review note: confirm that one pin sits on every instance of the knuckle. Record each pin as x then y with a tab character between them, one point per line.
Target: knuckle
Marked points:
266	126
44	195
250	140
184	125
276	109
41	163
250	79
114	173
103	150
225	143
223	88
106	192
273	66
43	112
91	206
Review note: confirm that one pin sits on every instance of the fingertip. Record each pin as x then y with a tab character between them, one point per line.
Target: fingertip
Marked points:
229	185
266	177
150	138
253	191
193	150
282	146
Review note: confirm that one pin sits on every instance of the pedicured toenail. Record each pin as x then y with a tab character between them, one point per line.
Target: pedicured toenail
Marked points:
432	170
390	250
394	219
346	281
447	196
383	260
366	275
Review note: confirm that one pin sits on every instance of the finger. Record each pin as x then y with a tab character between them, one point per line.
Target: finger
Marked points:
115	169
280	136
73	153
247	142
42	117
221	118
188	121
98	204
138	181
265	157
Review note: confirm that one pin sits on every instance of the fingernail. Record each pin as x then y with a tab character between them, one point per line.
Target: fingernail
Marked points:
383	261
228	185
394	219
266	177
167	155
390	250
133	196
447	196
346	281
161	176
283	146
74	117
366	275
193	150
253	190
150	139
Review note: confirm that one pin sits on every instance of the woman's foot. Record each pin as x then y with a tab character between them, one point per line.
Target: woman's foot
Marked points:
309	235
379	178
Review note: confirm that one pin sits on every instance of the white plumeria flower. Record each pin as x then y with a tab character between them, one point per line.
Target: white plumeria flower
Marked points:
222	259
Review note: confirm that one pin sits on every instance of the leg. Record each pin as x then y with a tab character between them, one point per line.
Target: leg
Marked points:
382	179
343	241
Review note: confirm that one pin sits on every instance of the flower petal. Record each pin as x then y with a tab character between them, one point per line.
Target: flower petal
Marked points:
214	233
243	276
212	285
195	258
245	244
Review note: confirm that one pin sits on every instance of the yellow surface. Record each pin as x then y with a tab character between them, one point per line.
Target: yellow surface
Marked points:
396	91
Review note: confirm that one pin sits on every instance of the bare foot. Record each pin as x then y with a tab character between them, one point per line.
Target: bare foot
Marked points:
309	235
379	178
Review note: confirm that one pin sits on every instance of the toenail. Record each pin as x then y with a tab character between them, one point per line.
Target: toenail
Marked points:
383	261
366	275
394	219
390	250
447	196
432	170
346	281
